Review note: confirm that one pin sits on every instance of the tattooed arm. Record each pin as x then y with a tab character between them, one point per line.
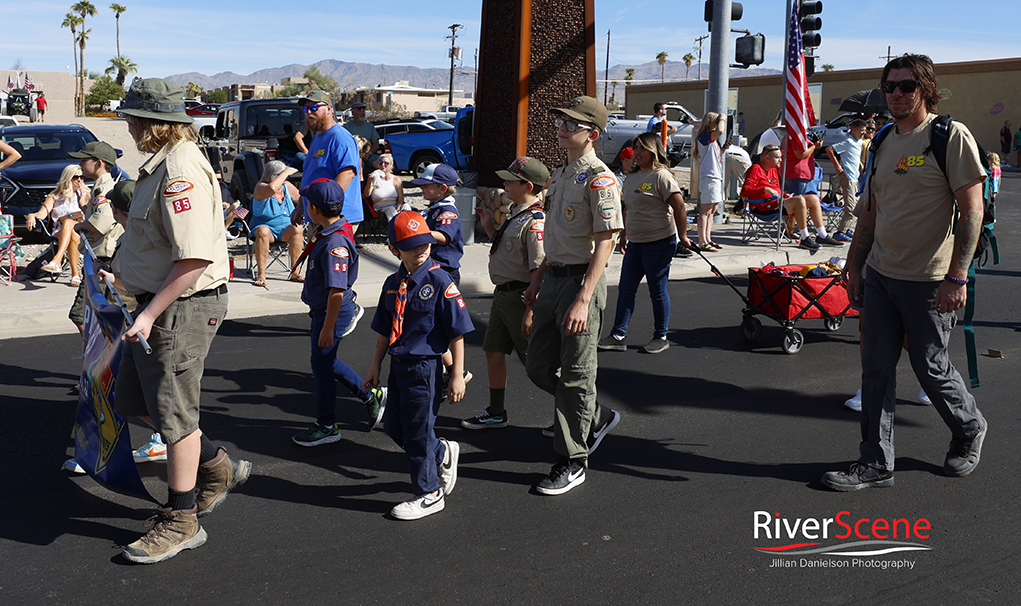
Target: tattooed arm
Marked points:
952	296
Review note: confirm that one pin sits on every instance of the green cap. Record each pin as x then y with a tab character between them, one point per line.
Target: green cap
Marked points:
101	150
585	109
156	99
317	96
526	169
120	195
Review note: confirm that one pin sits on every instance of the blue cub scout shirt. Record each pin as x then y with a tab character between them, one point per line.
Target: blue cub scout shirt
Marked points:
434	314
442	216
333	263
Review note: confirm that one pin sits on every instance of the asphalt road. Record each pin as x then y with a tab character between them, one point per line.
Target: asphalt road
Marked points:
713	431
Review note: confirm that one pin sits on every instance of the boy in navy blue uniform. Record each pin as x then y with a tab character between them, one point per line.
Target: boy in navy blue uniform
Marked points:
420	315
332	271
437	183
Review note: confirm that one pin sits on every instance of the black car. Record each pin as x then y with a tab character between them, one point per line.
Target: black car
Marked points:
44	153
20	102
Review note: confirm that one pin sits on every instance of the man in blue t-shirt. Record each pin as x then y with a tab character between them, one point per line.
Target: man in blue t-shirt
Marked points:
847	166
332	154
659	114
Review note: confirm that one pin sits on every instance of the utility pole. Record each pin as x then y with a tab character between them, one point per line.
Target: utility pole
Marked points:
606	73
454	53
889	55
719	58
699	41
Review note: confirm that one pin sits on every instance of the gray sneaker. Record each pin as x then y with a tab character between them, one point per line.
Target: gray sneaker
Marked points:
170	533
828	241
611	343
858	477
964	454
808	244
656	345
359	312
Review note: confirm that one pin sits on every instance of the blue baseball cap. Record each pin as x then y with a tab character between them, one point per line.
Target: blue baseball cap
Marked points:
441	174
326	195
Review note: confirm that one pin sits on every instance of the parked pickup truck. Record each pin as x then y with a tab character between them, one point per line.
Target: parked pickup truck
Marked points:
249	133
412	152
447	112
620	133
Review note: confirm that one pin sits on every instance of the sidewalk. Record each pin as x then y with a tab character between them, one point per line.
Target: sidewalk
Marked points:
39	307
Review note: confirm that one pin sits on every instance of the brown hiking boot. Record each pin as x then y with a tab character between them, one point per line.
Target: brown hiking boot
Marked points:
217	478
170	533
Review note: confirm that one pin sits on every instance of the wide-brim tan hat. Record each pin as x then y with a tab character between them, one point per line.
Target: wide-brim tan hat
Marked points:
156	99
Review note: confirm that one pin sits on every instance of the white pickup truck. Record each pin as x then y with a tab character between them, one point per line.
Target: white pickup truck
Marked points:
446	113
620	133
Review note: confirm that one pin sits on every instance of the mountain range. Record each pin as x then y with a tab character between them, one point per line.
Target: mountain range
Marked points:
353	75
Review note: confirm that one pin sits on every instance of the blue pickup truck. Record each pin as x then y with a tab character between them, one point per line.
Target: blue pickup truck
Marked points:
412	152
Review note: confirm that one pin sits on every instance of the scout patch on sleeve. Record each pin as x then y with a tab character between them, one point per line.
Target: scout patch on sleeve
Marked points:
537	226
603	182
460	302
452	291
99	200
181	205
447	217
340	266
606	210
341	252
176	187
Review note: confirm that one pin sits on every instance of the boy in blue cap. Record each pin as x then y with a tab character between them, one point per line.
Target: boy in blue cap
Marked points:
420	315
332	271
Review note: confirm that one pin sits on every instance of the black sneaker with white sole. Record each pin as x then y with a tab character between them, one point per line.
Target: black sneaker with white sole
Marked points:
564	476
597	436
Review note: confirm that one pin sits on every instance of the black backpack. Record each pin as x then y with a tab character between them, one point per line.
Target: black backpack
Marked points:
939	137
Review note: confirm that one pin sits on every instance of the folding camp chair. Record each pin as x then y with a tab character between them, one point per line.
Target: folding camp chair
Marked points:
8	250
762	224
832	202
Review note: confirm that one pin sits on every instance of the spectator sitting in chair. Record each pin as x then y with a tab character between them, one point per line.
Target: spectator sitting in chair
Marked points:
762	182
272	205
64	205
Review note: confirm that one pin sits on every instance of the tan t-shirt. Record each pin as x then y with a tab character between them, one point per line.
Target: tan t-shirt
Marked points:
99	214
176	213
915	201
583	199
649	217
520	249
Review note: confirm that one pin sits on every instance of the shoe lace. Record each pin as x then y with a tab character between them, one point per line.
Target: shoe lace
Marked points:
158	525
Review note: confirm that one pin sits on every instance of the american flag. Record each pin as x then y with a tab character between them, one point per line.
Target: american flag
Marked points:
10	83
798	113
29	85
241	212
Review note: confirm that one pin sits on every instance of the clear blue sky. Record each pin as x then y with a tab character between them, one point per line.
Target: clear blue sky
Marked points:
243	36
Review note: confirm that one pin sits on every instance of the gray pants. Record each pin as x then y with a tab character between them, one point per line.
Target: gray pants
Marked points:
565	366
895	309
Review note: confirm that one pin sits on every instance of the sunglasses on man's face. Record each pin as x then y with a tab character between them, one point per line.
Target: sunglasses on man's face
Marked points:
570	126
311	107
906	86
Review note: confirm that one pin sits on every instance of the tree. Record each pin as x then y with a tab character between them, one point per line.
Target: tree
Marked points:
661	57
18	65
217	96
827	67
72	21
326	83
85	9
613	95
688	60
629	75
117	10
103	90
193	90
122	66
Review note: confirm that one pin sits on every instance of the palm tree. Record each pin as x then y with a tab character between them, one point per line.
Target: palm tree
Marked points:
827	67
613	95
84	9
72	21
688	60
661	57
123	66
117	10
629	75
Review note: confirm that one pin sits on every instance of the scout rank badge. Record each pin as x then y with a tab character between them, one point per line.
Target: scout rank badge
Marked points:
426	292
453	293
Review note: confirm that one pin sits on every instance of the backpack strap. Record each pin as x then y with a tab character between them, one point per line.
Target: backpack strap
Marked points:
876	142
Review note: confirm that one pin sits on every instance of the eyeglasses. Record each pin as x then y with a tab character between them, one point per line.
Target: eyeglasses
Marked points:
570	126
906	86
311	107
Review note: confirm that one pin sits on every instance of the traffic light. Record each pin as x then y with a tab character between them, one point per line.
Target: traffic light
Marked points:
736	11
809	66
811	23
749	50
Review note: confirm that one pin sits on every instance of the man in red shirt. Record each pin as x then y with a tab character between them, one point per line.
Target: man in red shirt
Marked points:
762	185
40	105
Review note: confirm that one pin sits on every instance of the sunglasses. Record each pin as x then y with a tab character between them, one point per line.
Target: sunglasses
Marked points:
384	163
79	177
311	107
570	126
906	86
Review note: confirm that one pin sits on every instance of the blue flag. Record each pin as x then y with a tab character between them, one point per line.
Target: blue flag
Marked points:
102	439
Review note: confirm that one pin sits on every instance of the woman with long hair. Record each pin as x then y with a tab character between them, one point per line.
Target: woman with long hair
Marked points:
708	156
64	205
654	218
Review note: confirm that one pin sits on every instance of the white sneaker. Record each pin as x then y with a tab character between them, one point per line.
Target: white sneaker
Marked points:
72	466
855	402
923	399
448	469
425	505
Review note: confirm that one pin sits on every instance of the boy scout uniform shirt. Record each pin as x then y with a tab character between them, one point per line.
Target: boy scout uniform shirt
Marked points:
332	263
99	214
434	313
442	216
520	249
649	217
914	201
583	199
176	213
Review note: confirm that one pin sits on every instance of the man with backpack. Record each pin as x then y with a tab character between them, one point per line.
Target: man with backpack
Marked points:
918	250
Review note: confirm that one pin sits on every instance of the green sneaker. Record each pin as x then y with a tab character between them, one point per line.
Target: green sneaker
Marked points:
317	434
375	405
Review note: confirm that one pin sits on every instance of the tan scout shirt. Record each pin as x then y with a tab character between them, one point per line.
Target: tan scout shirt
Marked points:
583	199
176	214
520	249
649	216
99	214
915	201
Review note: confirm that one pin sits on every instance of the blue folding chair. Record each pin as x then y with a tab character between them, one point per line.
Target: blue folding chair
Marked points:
763	223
